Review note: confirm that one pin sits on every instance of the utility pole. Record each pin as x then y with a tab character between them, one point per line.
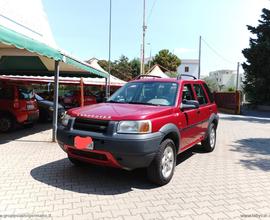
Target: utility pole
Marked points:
237	76
109	62
200	48
143	39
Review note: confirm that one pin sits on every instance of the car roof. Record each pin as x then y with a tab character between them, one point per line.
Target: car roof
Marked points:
175	80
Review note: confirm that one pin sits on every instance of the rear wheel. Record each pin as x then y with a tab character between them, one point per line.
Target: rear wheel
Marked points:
6	123
162	167
209	143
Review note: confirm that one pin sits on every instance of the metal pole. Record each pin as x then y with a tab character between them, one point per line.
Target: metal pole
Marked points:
106	88
143	44
110	36
55	99
141	67
200	48
237	76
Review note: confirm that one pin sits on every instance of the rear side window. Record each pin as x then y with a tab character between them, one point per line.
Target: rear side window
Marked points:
25	93
6	92
201	96
209	93
187	93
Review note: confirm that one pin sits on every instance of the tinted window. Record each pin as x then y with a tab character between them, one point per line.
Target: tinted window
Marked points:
209	93
187	93
155	93
202	99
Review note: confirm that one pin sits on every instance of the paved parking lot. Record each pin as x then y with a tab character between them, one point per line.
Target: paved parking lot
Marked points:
37	181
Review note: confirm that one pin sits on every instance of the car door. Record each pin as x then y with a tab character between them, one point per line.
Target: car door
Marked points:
205	107
6	97
190	127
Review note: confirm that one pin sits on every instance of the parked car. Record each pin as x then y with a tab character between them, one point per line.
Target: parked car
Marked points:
17	106
146	123
72	99
46	109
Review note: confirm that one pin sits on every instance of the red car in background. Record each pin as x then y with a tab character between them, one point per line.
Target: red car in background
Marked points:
72	99
17	105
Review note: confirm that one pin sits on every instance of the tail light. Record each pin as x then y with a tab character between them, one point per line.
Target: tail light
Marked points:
16	104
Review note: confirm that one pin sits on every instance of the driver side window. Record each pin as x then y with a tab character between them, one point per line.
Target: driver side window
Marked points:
187	93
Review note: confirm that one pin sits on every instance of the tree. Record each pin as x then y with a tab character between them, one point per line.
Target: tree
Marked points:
135	65
167	60
211	83
104	64
121	68
257	65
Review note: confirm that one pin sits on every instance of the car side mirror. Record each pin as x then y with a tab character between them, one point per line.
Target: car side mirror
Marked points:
189	104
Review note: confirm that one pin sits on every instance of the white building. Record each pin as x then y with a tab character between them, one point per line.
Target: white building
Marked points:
27	17
226	78
189	66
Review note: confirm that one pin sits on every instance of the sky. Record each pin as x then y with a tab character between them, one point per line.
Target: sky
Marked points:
81	28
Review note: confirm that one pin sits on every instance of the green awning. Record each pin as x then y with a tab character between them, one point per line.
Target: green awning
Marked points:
39	60
20	41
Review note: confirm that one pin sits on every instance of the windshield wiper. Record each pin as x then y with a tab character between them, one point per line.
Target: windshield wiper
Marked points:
142	103
112	101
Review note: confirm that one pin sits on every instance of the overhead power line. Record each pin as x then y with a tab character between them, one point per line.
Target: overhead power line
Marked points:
217	53
151	10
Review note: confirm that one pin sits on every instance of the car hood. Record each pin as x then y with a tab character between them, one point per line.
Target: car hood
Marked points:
116	111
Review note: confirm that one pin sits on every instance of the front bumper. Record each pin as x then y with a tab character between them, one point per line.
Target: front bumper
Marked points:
127	151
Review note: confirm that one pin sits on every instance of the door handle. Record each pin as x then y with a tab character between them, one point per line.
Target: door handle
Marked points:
198	112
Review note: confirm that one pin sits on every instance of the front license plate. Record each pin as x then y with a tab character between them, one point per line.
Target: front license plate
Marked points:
84	143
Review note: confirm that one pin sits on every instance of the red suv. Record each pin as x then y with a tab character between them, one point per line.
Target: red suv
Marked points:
17	105
146	123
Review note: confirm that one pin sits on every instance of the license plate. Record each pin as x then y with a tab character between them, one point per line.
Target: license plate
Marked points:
85	143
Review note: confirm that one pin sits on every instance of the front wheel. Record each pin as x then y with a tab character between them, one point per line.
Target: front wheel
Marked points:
209	143
6	123
162	167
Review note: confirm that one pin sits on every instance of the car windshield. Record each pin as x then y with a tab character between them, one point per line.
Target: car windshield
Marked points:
25	93
146	93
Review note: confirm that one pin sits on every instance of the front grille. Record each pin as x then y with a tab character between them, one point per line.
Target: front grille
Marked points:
84	124
87	154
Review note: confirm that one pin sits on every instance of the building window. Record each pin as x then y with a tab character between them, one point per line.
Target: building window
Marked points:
186	69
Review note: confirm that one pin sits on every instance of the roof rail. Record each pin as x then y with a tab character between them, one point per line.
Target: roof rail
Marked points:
180	76
142	76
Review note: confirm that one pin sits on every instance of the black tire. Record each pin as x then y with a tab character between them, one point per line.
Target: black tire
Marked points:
76	162
209	143
155	170
6	123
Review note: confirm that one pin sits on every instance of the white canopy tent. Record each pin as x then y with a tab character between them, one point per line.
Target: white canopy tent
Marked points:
156	71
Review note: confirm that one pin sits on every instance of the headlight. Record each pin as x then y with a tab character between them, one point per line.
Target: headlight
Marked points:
65	119
134	127
51	108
